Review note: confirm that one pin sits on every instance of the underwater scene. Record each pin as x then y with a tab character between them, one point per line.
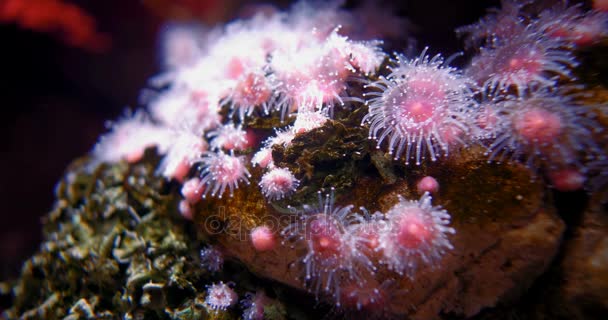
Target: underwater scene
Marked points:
320	160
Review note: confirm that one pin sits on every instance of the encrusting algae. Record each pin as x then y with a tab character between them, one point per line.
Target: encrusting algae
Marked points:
314	174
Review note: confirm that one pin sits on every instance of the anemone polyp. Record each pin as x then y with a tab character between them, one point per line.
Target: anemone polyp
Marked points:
282	137
313	75
591	29
498	24
212	259
185	148
130	137
527	61
331	254
421	108
417	234
368	295
544	126
220	296
192	190
366	234
370	299
278	183
309	120
250	90
487	118
537	124
254	304
221	171
572	25
228	137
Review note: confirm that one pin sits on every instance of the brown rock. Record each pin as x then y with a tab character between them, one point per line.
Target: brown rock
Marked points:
584	293
505	237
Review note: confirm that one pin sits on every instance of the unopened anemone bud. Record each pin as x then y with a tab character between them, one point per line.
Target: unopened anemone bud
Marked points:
263	238
282	137
251	90
427	184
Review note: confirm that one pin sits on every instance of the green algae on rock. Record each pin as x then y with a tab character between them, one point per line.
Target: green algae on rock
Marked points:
115	247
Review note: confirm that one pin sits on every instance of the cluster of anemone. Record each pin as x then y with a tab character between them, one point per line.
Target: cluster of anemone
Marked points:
505	99
420	109
511	98
297	69
345	249
524	75
272	65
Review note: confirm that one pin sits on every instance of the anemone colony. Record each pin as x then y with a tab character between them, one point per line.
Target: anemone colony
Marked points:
298	69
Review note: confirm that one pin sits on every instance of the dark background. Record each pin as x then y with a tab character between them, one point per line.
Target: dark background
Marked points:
55	97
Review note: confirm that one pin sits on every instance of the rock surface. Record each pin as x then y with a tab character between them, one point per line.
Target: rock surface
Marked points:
506	237
584	292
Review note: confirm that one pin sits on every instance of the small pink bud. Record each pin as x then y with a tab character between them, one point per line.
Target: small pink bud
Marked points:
263	239
427	184
567	180
186	210
263	158
192	190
